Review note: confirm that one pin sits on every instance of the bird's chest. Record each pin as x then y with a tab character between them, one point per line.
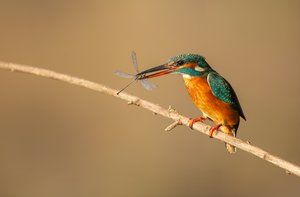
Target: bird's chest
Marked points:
216	109
200	92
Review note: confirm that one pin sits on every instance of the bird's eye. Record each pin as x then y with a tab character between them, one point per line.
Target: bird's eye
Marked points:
180	62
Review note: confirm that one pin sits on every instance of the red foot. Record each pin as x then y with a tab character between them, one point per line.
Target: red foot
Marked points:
213	129
194	120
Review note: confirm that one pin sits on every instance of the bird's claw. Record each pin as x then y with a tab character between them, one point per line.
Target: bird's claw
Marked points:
213	129
194	120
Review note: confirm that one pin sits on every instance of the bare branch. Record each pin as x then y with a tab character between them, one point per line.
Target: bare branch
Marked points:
156	109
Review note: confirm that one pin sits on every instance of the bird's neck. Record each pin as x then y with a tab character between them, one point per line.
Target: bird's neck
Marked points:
194	81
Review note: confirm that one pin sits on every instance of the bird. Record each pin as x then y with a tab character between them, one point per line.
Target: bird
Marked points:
210	92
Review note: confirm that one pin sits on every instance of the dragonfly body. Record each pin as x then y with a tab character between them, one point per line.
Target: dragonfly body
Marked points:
146	84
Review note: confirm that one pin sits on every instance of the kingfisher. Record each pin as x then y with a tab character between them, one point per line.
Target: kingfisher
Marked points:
210	92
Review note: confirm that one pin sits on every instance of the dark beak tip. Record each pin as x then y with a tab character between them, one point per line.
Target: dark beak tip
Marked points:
154	69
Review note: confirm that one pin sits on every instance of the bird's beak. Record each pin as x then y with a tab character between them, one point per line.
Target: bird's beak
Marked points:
159	71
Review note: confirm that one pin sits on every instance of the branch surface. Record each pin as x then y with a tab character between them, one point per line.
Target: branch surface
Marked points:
289	167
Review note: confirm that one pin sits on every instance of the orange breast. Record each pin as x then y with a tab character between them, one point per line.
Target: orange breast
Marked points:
219	111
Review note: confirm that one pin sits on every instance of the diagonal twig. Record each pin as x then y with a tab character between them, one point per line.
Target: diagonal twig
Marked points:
131	99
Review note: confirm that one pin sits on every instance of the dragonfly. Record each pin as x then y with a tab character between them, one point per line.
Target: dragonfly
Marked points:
137	77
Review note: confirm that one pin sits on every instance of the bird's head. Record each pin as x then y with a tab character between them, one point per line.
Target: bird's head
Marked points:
188	65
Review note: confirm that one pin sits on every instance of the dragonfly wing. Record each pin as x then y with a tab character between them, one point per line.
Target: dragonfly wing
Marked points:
124	75
134	61
147	85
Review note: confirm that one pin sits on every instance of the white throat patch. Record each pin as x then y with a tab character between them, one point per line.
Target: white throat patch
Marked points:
186	76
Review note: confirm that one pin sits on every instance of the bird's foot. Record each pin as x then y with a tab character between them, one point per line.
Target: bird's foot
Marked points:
194	120
213	129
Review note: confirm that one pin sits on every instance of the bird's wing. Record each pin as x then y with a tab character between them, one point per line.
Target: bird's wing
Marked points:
223	91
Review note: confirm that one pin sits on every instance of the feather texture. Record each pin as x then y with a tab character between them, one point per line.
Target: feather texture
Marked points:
223	91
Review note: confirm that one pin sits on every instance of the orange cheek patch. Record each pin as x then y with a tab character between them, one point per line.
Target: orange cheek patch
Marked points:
190	65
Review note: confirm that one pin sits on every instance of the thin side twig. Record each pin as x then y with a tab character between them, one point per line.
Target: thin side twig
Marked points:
173	125
156	109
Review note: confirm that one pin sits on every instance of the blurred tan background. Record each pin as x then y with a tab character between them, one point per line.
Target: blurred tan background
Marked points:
61	140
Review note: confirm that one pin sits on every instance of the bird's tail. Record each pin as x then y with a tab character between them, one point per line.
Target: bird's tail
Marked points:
231	149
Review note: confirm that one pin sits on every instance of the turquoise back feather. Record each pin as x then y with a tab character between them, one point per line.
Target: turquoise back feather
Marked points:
223	91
